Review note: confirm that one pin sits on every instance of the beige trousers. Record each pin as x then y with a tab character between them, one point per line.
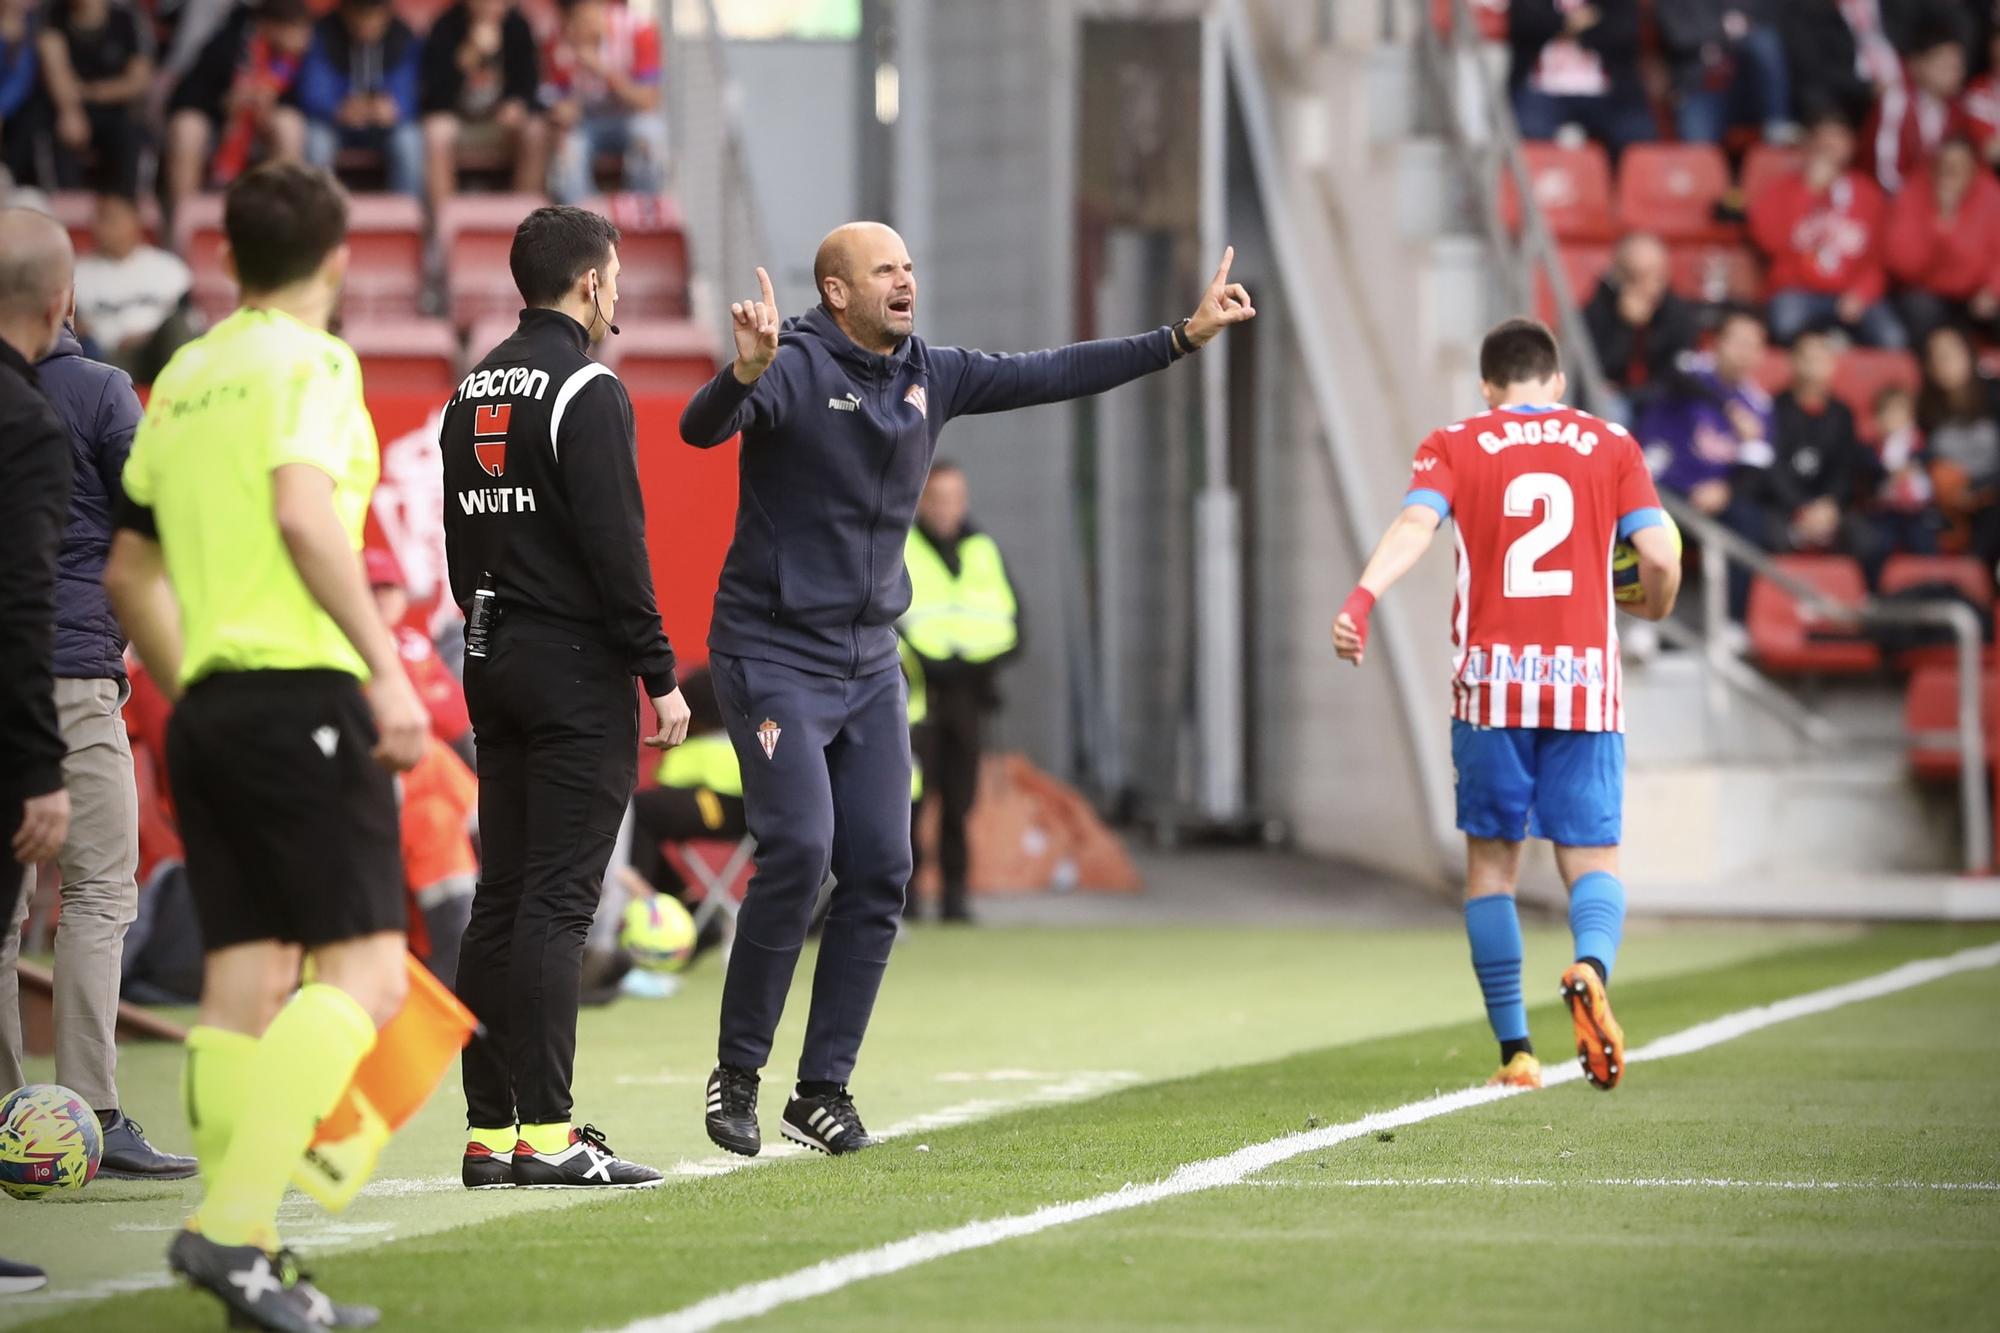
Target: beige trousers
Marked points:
99	898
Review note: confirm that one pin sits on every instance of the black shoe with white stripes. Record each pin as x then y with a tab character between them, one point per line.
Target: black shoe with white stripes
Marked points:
827	1124
586	1163
732	1111
249	1282
324	1310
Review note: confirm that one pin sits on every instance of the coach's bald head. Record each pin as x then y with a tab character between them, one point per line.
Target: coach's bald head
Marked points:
37	271
868	284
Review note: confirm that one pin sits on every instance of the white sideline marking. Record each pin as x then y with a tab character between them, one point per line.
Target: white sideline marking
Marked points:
757	1298
1629	1182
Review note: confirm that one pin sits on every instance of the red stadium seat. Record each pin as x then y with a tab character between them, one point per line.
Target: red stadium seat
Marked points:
416	356
1785	639
1963	572
1930	704
660	356
1708	271
486	335
1671	190
1489	15
1572	186
385	267
1766	162
1583	265
1863	372
476	231
652	255
198	237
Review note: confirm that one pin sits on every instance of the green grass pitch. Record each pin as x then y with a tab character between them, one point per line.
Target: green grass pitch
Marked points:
1839	1171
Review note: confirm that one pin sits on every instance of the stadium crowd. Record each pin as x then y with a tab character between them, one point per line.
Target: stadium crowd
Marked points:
148	103
1797	288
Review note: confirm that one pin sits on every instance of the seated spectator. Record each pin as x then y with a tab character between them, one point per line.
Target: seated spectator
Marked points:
601	86
1638	324
234	104
1904	513
1577	63
20	81
1729	69
481	78
1958	411
131	296
1806	499
1709	433
97	65
1920	109
1821	230
1840	53
358	89
1943	243
440	690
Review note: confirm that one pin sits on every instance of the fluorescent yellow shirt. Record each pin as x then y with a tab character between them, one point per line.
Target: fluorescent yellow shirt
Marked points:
258	391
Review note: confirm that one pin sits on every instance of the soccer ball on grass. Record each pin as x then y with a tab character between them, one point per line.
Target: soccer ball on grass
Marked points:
658	933
49	1140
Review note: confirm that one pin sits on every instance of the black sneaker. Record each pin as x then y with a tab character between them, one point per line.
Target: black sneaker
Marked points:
587	1163
17	1278
327	1312
246	1280
484	1169
828	1124
127	1155
732	1111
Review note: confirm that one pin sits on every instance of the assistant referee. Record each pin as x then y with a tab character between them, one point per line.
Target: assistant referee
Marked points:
545	536
237	573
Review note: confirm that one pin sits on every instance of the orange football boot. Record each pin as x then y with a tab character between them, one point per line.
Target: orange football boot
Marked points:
1600	1042
1523	1071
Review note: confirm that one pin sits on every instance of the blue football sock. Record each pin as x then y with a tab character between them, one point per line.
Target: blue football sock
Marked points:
1494	928
1597	917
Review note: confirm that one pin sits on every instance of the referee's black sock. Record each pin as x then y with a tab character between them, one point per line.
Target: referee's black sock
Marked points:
1510	1049
813	1087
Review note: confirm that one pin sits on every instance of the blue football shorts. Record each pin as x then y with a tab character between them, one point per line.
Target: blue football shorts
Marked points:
1536	782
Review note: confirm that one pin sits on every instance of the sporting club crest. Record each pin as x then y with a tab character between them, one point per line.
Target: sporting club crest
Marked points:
767	736
919	398
489	436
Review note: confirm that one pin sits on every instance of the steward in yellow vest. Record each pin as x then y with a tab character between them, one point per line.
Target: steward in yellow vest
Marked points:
963	623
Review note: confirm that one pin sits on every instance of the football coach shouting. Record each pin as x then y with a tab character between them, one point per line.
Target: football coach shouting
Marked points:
545	536
840	413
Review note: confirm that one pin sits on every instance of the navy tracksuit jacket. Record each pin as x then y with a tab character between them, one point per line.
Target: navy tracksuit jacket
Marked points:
837	443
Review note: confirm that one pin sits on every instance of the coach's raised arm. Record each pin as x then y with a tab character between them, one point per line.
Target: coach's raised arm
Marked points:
867	318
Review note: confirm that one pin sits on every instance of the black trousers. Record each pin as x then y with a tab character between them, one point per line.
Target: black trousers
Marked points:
678	814
556	723
950	741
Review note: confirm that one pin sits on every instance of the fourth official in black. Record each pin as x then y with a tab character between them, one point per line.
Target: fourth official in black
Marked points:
546	542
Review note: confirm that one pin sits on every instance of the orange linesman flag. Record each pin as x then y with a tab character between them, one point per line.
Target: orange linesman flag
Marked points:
411	1056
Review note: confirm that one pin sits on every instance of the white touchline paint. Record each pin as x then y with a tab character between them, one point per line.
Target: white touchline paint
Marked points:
757	1298
1635	1182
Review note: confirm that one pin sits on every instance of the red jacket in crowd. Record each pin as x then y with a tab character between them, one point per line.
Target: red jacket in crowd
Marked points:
1905	128
1828	242
1981	105
1955	257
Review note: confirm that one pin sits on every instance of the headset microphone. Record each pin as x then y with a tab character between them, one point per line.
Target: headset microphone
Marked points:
600	310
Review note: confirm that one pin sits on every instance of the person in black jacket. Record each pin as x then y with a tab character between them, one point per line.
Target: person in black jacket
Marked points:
1577	62
1639	326
235	102
1837	66
481	75
840	412
1807	496
36	273
545	538
1729	68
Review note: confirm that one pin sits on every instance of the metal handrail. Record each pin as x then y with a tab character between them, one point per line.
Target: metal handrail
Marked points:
1535	253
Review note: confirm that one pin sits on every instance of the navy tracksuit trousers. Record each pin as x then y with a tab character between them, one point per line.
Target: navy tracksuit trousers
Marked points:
826	786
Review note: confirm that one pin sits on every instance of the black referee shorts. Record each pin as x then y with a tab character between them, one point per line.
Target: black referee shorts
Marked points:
290	826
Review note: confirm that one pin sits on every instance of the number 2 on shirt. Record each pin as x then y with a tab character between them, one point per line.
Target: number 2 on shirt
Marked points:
1558	506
